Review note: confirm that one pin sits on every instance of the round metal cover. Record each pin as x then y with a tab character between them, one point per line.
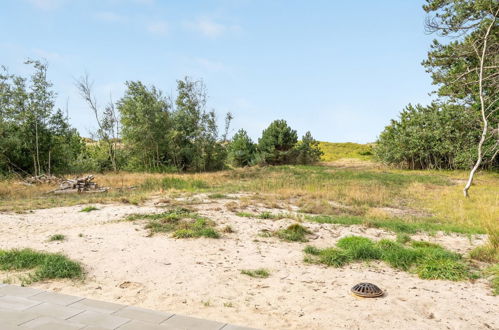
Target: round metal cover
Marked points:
367	290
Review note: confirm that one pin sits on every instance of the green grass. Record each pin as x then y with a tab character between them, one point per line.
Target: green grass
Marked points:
427	260
259	273
218	196
181	222
293	233
57	237
335	151
174	183
42	265
89	209
397	225
493	273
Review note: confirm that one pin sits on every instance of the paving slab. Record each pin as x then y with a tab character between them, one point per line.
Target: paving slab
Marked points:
182	322
27	308
136	325
141	314
16	317
97	306
16	303
97	319
56	298
18	291
56	311
50	323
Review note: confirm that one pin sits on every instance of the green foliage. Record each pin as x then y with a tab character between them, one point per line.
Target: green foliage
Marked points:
336	151
294	233
429	261
145	119
35	137
493	273
258	273
89	209
241	150
182	223
57	237
276	146
308	150
44	265
436	136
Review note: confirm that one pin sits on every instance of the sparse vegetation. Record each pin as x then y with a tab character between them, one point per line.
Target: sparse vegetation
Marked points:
258	273
89	209
428	260
294	233
57	237
181	222
42	265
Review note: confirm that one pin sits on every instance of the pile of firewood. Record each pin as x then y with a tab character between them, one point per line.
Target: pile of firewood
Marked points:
79	185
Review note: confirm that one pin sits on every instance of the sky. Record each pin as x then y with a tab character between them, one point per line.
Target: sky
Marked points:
340	69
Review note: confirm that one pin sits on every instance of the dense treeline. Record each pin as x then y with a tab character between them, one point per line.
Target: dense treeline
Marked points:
438	136
462	129
142	131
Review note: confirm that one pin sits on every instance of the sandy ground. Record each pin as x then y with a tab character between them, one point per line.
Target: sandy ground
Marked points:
201	277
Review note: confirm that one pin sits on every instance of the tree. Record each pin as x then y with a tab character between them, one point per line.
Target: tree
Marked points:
194	136
34	137
145	121
467	68
307	150
438	136
108	131
241	149
276	146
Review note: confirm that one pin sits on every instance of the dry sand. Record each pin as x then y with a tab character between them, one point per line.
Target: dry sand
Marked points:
201	277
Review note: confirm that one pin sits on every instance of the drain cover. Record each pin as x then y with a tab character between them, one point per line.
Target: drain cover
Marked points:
367	290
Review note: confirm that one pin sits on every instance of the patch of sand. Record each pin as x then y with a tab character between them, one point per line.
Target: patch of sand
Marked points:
201	277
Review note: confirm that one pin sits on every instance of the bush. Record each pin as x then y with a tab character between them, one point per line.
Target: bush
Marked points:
437	136
276	146
241	150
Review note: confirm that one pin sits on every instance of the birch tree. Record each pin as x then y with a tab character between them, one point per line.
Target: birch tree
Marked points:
467	67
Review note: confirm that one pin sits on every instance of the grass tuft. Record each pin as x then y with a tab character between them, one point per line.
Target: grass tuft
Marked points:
258	273
428	260
485	253
294	233
57	237
181	222
89	209
43	265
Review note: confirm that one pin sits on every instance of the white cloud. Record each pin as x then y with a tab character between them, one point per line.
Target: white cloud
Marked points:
108	16
46	4
210	28
159	27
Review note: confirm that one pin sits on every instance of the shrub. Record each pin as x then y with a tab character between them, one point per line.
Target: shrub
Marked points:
241	150
276	146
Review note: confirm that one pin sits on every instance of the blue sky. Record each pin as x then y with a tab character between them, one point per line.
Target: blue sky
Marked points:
341	69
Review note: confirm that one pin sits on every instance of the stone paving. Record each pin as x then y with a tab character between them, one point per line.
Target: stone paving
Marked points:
28	308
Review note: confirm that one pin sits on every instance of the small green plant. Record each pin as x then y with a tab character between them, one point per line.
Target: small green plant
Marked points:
428	260
80	235
403	238
181	222
206	303
259	273
43	265
294	233
493	273
217	196
485	253
245	215
57	237
89	209
228	305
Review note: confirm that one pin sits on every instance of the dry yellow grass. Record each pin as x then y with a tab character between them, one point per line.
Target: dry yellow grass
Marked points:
336	188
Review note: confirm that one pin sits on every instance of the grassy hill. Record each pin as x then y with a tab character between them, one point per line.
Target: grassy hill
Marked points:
334	151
